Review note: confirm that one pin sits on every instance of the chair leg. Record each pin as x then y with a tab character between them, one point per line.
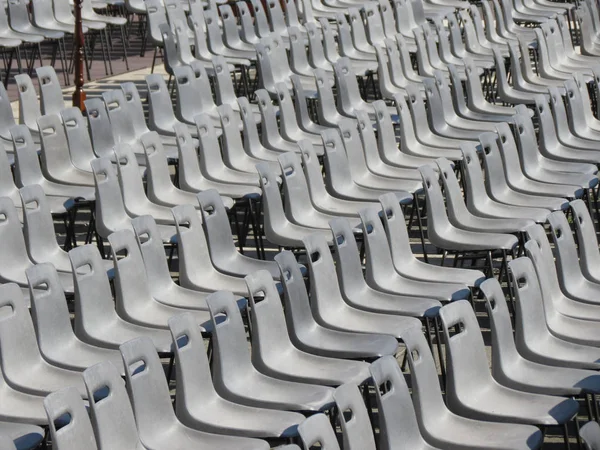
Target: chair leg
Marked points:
154	59
124	42
420	223
85	57
438	339
63	60
108	46
566	436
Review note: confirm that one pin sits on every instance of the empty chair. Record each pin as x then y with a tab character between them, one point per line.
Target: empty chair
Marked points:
320	198
15	259
274	354
298	205
55	159
18	345
328	305
162	287
532	336
444	235
277	228
78	138
28	171
538	249
308	335
510	369
481	204
96	321
200	406
460	216
381	273
110	211
235	377
471	389
497	183
357	292
570	274
211	162
134	301
70	425
196	270
156	421
223	253
441	427
134	196
160	188
38	230
191	175
57	342
110	410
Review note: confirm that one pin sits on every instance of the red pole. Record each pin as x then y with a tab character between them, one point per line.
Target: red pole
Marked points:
78	40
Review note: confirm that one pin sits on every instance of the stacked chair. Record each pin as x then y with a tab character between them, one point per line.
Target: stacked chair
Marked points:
350	196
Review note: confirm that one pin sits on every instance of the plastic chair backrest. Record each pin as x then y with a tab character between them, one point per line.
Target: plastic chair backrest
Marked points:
55	157
230	348
110	409
398	421
130	282
93	297
78	137
110	210
51	96
27	165
298	315
66	406
160	108
590	433
135	110
120	119
147	386
354	418
192	247
49	310
465	350
7	118
567	260
316	432
215	222
193	368
101	131
155	11
266	314
29	108
224	90
153	252
530	323
132	187
158	178
17	336
38	225
504	350
586	235
14	253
